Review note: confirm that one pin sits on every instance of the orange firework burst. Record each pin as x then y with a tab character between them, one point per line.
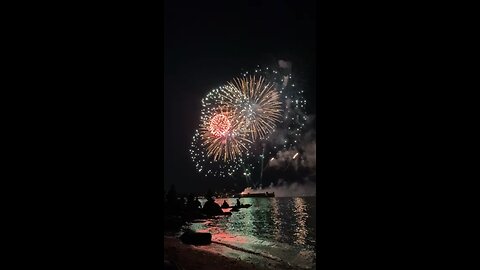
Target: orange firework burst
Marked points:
219	125
221	135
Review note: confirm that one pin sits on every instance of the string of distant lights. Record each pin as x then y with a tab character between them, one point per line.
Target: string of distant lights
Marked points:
244	119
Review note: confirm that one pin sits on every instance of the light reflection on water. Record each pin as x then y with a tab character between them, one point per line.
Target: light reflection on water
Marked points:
275	227
301	217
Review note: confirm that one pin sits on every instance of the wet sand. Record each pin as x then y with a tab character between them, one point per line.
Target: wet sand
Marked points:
190	257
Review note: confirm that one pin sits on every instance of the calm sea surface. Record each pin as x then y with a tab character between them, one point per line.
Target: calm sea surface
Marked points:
281	230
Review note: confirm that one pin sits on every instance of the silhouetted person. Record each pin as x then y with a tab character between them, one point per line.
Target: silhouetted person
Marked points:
190	202
238	203
171	204
211	208
198	204
209	194
225	204
181	203
172	196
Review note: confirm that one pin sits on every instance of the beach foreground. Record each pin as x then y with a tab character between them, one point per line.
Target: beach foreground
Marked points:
190	257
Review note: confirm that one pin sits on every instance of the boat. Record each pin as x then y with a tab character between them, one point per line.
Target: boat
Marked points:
241	206
255	195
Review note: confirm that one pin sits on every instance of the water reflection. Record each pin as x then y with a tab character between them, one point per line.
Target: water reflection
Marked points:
247	226
279	227
301	215
277	224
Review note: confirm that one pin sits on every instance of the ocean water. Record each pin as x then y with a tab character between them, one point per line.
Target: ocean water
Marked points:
274	231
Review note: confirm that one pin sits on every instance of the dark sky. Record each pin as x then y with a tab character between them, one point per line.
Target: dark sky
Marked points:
209	42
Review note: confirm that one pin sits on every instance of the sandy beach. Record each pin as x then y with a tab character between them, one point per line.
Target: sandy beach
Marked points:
190	257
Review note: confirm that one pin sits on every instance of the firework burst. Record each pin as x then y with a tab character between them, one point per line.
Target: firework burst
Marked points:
245	120
221	135
256	103
205	164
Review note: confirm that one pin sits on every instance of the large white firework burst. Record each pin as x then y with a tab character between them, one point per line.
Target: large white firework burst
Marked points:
256	103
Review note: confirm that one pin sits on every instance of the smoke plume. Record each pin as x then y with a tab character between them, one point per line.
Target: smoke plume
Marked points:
303	156
284	64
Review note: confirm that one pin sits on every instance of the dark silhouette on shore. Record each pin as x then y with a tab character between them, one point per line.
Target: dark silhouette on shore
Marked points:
198	204
212	208
181	209
225	204
172	205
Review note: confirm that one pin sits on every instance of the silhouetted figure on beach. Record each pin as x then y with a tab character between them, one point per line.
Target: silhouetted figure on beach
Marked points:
198	204
172	196
209	194
211	208
171	205
238	203
225	204
191	209
173	219
190	197
190	203
181	203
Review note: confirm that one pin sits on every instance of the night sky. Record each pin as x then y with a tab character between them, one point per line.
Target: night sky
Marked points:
209	42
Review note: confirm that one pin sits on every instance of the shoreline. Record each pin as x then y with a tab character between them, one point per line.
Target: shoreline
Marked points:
190	257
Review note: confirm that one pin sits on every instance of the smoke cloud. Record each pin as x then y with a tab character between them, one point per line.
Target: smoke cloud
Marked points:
304	155
284	64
